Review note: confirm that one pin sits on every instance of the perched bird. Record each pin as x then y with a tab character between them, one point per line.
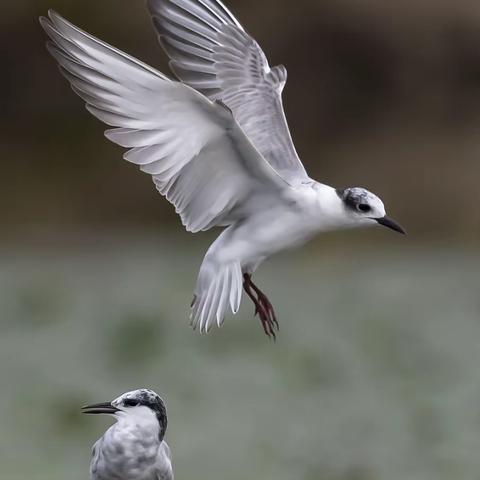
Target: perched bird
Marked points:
134	447
216	144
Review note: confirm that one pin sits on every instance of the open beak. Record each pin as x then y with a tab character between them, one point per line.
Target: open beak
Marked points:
98	408
389	223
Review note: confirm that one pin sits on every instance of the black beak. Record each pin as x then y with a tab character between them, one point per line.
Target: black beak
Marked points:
97	408
389	223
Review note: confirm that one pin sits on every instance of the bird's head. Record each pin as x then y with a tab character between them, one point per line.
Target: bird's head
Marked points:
141	405
364	208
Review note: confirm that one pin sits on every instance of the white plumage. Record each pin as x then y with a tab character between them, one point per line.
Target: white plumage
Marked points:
216	144
134	447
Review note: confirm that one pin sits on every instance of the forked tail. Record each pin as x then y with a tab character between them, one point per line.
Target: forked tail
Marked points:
218	288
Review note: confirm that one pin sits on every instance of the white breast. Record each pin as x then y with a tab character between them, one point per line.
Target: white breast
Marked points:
131	450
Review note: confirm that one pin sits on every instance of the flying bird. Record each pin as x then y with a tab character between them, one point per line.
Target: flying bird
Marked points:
134	447
216	144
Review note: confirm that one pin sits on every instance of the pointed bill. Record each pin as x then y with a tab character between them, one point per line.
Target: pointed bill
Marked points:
389	223
98	408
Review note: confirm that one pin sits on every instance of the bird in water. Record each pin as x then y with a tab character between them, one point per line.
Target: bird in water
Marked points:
134	447
216	144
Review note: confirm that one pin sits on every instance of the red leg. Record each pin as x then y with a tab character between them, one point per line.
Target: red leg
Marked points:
262	306
263	299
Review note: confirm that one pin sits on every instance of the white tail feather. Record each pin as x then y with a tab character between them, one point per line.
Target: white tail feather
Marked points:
217	289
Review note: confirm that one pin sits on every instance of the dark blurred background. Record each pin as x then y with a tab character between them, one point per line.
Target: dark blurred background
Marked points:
381	94
375	375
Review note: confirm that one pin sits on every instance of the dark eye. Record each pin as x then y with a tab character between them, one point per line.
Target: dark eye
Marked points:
130	402
363	207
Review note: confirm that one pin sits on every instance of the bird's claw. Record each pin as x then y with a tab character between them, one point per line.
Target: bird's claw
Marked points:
263	307
267	316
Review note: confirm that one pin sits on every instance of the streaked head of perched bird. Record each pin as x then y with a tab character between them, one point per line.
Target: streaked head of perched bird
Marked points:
363	208
138	406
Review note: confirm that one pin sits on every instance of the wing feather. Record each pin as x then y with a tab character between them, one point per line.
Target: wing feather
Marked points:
198	156
210	51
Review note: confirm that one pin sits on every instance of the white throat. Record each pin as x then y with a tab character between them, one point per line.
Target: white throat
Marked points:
139	421
330	210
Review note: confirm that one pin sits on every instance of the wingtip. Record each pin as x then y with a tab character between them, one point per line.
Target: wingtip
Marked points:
46	22
110	134
53	14
57	19
51	47
49	22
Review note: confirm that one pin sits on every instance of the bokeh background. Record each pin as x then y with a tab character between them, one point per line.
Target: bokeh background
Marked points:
376	372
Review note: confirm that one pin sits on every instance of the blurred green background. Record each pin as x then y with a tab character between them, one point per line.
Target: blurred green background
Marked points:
375	373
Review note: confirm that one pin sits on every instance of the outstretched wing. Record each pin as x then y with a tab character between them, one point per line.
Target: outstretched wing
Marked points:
211	52
198	156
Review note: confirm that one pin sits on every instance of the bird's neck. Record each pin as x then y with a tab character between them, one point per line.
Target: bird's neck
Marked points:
329	209
141	423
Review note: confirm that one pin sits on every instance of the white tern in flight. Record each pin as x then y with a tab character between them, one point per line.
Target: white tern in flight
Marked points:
216	144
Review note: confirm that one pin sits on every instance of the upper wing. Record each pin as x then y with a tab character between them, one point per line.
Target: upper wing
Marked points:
198	156
211	52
